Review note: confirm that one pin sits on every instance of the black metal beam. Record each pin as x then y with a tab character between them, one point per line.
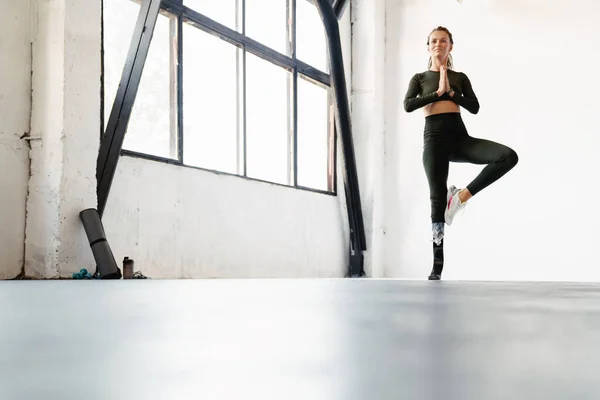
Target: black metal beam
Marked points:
292	46
234	37
112	142
344	126
339	6
180	138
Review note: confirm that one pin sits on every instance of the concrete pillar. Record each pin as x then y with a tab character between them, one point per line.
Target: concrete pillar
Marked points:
15	93
65	134
368	95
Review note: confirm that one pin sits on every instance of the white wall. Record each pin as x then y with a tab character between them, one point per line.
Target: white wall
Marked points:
532	65
15	93
179	222
185	223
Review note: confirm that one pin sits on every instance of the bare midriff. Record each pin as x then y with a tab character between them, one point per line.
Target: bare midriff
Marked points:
441	107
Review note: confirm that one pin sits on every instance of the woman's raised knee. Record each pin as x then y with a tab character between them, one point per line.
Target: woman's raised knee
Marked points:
512	158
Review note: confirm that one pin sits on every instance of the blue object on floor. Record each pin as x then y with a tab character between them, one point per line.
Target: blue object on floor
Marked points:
82	274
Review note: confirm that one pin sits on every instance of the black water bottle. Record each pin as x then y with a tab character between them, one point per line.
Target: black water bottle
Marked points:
127	268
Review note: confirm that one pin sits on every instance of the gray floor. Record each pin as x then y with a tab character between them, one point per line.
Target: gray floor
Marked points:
303	339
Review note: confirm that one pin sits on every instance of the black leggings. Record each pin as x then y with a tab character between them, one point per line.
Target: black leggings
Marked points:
445	140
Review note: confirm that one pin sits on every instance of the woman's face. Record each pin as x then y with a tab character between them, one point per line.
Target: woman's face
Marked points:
439	45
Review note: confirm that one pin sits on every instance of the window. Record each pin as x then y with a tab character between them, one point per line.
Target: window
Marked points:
266	21
314	135
225	12
267	121
152	127
311	44
235	86
211	124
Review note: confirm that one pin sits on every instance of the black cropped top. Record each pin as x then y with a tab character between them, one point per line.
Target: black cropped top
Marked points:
423	86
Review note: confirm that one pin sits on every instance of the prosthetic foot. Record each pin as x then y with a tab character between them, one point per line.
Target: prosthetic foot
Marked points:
438	261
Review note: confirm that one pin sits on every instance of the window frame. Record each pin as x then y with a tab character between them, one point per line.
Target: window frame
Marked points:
186	15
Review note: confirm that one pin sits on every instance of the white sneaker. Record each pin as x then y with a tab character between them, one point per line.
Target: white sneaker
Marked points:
451	191
453	205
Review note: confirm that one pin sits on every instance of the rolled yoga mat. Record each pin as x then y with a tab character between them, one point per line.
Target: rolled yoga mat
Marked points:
106	266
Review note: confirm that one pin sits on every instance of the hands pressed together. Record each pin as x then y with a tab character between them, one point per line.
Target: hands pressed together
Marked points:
444	82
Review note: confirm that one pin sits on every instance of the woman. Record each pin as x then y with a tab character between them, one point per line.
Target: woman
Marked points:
441	91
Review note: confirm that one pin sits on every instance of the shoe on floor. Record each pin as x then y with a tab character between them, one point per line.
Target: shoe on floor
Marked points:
434	277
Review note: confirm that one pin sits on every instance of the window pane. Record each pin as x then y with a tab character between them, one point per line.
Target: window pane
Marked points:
313	135
267	129
152	126
311	42
119	21
222	11
266	22
210	90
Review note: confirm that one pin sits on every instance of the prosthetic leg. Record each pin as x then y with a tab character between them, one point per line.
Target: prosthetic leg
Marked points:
438	261
437	230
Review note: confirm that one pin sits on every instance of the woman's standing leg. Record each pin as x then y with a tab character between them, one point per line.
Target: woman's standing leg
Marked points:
438	262
436	165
